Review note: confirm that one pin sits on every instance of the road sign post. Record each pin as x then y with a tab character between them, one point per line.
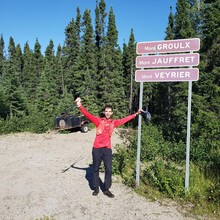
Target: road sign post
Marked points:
139	137
167	75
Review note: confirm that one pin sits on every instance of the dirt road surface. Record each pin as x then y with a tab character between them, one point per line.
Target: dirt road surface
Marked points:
37	180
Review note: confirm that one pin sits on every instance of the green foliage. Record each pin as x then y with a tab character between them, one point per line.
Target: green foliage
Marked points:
154	145
163	170
124	165
166	176
204	191
37	123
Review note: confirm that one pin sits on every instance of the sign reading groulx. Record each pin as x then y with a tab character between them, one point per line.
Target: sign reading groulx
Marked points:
168	46
170	60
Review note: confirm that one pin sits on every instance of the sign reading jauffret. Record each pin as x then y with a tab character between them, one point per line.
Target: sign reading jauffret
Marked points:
171	60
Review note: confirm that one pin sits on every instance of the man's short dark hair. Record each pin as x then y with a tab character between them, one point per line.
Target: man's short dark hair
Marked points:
108	106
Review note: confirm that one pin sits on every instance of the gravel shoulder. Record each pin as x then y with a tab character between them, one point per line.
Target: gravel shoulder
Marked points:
37	180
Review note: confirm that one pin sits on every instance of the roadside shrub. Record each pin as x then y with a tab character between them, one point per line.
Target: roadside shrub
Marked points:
124	164
37	123
152	142
167	177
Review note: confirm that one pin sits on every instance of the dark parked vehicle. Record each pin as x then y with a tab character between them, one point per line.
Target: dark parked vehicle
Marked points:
71	122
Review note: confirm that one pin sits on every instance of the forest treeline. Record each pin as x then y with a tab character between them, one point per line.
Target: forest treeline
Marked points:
35	87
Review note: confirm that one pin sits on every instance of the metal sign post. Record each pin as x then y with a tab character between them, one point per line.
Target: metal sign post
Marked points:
188	135
139	138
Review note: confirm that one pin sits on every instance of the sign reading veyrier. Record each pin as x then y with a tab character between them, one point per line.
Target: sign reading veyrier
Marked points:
168	75
168	46
171	60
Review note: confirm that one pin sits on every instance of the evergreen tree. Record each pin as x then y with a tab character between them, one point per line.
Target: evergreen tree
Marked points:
78	28
19	62
100	16
131	87
100	40
71	52
170	27
64	98
38	66
14	95
2	57
196	13
111	82
47	96
184	22
28	78
59	78
175	110
86	71
163	91
206	126
4	109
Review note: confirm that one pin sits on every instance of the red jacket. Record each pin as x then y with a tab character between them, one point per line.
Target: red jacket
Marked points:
104	127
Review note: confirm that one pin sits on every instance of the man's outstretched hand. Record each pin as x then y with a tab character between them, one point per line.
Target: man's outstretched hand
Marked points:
139	111
78	102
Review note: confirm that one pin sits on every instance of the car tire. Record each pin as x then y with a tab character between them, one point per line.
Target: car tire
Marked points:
84	128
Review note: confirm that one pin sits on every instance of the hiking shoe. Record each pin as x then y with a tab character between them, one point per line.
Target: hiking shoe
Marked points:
95	192
109	194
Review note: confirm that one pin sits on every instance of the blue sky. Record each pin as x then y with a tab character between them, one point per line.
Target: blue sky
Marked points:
26	20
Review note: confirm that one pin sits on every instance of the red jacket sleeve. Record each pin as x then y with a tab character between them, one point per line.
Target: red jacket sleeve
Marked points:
118	122
96	120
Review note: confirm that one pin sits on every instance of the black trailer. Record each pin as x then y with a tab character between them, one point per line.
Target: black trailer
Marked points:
71	122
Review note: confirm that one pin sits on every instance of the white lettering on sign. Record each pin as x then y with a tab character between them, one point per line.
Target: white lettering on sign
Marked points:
142	62
173	74
146	76
171	46
173	60
151	48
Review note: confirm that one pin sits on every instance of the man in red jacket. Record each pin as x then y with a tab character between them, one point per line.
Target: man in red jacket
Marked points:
102	144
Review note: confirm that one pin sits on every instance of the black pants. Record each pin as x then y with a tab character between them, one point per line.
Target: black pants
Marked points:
105	155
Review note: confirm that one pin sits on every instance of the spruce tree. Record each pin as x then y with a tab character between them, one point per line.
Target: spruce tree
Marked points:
38	66
184	21
163	91
170	27
100	41
15	97
2	57
86	73
177	93
47	95
4	109
111	82
28	78
206	117
71	53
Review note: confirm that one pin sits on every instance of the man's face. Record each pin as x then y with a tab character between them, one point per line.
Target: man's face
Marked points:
108	113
